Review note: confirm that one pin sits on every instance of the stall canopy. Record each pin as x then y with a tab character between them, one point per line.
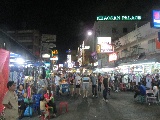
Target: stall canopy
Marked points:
4	74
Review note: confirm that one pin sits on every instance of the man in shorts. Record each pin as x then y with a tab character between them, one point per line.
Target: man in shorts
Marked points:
86	82
78	84
10	101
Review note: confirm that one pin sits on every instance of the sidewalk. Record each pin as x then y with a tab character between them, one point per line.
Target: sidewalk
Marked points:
121	106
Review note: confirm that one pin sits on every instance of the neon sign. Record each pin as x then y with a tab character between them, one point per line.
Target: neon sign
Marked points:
156	18
112	57
119	18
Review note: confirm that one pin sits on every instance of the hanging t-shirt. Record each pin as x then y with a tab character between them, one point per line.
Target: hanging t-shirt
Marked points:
148	82
130	78
137	79
125	79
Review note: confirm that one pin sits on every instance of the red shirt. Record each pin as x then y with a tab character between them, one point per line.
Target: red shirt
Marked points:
46	96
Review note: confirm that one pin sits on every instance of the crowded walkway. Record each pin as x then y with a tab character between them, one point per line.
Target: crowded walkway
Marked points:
121	106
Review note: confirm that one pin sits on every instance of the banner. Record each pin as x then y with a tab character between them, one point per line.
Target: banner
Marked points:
4	74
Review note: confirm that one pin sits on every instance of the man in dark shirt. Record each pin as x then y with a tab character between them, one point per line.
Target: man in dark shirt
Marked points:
94	84
105	83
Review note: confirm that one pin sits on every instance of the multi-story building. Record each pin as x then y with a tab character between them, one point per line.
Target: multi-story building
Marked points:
113	29
139	46
30	39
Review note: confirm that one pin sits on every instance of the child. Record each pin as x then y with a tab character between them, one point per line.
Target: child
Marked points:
43	103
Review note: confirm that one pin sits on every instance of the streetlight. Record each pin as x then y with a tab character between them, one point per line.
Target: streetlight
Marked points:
89	33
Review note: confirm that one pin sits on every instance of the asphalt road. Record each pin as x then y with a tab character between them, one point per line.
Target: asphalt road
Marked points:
121	106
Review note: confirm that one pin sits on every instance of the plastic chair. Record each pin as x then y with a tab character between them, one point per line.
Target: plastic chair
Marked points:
150	98
122	87
61	104
43	115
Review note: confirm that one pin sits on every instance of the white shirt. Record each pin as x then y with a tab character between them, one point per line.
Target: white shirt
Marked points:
155	90
77	79
148	81
112	78
137	79
57	79
131	78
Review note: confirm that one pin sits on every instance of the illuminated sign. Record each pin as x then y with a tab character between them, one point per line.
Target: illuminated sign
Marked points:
156	18
98	48
104	40
106	48
55	67
104	45
60	65
54	52
68	58
55	57
112	57
45	55
118	18
86	47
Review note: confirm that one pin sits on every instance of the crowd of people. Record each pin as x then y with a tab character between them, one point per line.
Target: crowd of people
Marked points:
16	98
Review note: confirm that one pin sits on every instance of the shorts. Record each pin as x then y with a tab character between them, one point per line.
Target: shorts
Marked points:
71	87
77	86
85	86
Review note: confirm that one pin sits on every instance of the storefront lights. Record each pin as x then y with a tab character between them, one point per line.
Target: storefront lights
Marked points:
20	61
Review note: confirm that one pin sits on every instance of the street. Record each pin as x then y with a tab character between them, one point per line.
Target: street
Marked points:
121	106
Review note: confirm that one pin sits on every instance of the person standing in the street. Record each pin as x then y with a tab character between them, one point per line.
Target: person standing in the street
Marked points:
94	85
78	84
57	80
106	85
86	82
100	79
10	101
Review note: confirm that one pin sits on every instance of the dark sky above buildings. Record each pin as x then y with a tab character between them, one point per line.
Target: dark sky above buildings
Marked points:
68	19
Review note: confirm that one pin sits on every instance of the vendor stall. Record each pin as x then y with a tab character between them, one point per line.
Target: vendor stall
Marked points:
64	86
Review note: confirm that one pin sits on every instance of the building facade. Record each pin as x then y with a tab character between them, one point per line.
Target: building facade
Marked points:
113	29
30	39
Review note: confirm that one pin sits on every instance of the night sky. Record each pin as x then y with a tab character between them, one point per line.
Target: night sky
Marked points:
68	19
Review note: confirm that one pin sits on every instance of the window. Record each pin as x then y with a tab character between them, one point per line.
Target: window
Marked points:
151	45
125	30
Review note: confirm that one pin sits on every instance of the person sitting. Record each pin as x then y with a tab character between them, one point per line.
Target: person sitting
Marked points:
20	93
43	103
140	90
155	90
49	98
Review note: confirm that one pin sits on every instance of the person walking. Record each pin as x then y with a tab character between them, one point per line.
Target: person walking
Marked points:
86	82
100	79
78	84
106	85
94	85
57	80
10	101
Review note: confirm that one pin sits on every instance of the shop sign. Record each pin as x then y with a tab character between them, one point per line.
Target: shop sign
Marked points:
104	40
55	57
86	47
118	18
112	57
106	48
60	65
156	18
68	58
45	55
